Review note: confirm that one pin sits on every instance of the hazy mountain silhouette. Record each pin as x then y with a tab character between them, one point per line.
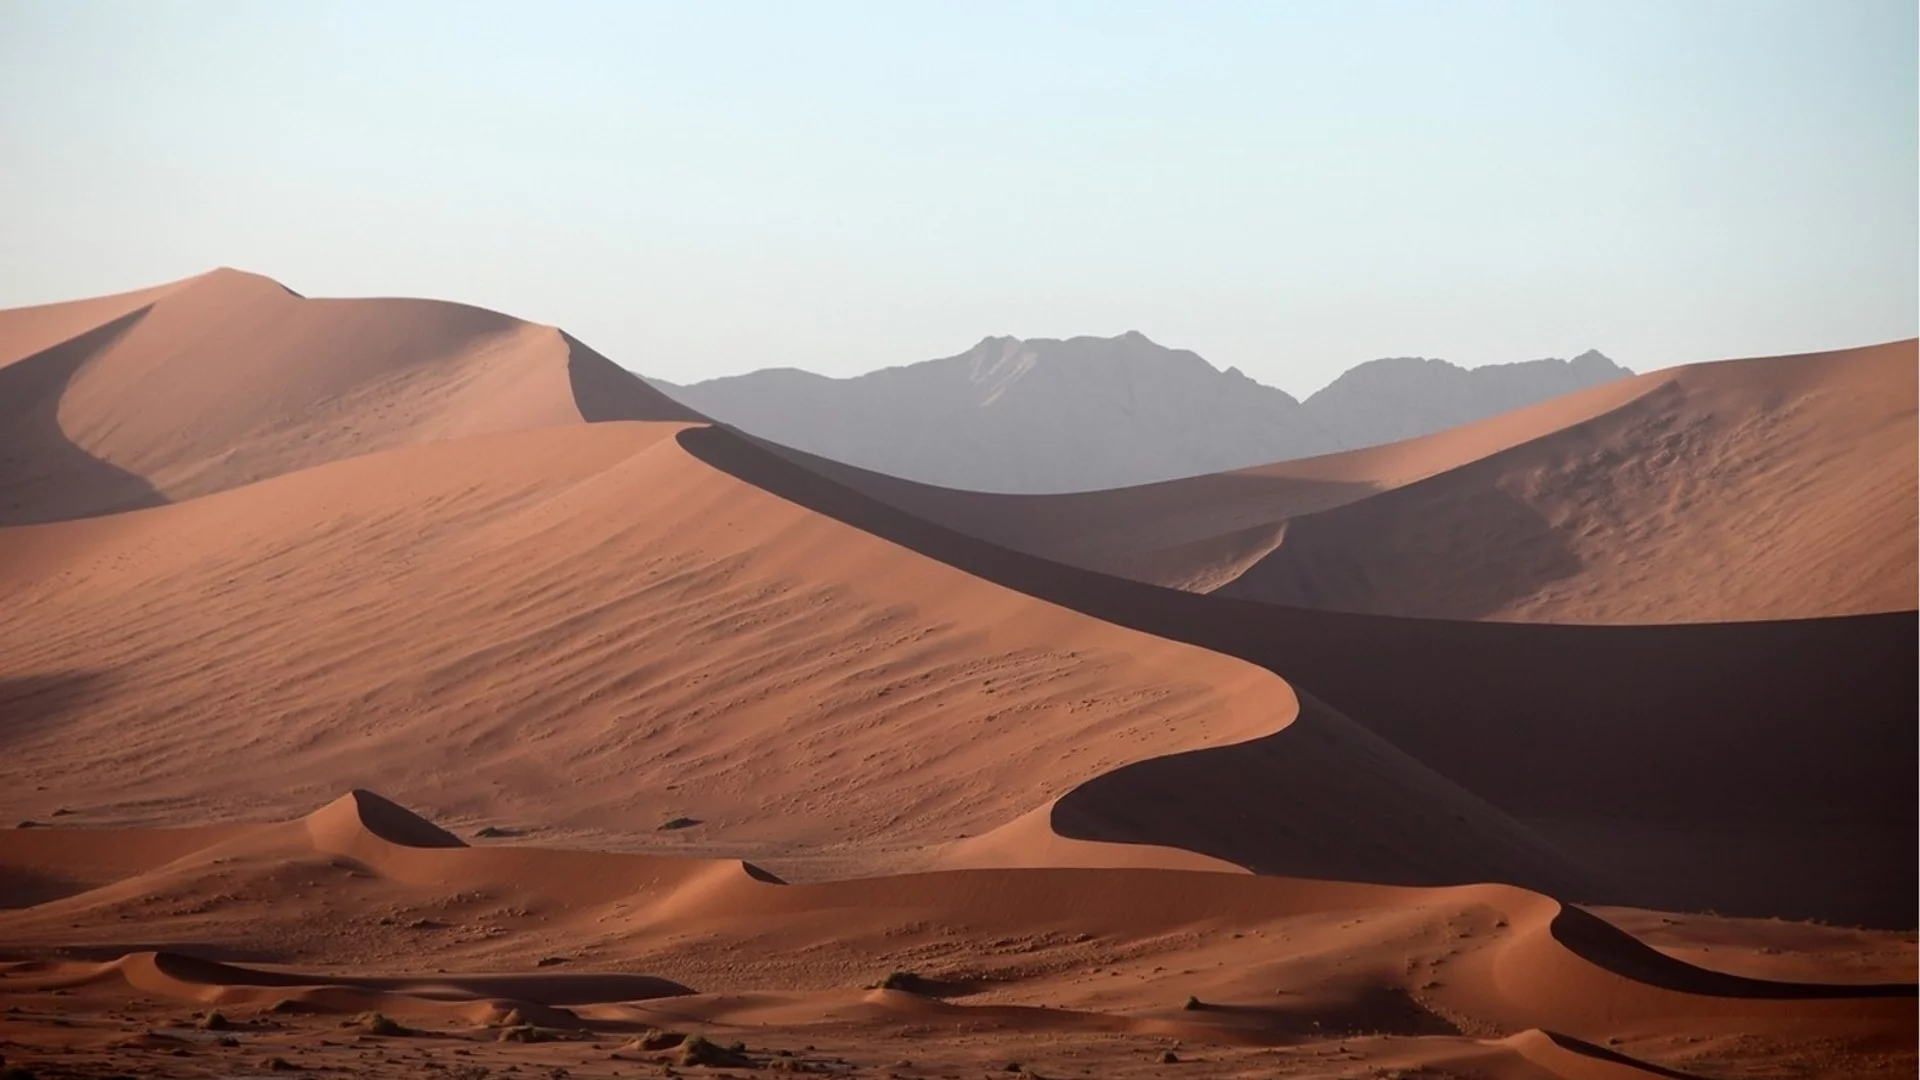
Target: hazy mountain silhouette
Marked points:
1045	415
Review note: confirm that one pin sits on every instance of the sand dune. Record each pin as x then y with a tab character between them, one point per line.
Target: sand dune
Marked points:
229	378
1753	489
510	636
1199	533
1758	768
1490	976
820	725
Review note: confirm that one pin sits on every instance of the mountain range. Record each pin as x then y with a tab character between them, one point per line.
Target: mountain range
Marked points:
1045	415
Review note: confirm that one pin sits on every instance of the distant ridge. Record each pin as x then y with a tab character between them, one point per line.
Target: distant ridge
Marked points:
1044	415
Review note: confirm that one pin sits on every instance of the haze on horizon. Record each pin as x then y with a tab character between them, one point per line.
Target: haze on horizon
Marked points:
1290	190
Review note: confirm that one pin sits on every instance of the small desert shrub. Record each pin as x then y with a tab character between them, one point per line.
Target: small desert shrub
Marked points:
374	1023
656	1039
1193	1004
213	1021
278	1064
680	823
909	981
1168	1057
699	1050
525	1033
469	1072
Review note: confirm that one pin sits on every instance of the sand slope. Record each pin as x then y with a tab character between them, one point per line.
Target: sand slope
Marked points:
1202	532
593	630
1758	768
229	378
1752	489
1486	976
258	550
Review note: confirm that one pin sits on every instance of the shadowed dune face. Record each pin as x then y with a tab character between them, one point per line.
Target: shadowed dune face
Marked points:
1391	811
1769	488
44	476
29	330
436	551
810	694
1202	532
1407	977
1750	489
1692	766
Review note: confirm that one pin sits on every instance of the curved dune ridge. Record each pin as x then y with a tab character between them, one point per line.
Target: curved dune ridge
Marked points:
598	628
229	378
1695	782
259	549
1201	532
811	694
1469	972
1748	489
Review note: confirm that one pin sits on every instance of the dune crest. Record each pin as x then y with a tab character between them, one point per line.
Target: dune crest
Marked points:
1767	488
1743	490
1452	974
260	550
272	383
351	821
902	728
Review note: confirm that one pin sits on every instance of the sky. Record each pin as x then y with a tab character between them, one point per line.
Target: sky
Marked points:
698	189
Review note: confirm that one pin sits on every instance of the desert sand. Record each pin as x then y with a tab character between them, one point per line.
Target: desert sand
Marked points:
1771	488
678	730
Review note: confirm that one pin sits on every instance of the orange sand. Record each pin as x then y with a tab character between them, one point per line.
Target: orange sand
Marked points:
258	550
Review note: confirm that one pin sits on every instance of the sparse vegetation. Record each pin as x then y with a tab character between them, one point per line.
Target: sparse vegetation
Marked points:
1193	1004
214	1021
699	1050
655	1039
1168	1057
910	981
374	1023
278	1064
526	1033
491	832
679	823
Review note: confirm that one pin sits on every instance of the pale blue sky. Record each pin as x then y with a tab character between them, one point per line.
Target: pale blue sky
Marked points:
705	188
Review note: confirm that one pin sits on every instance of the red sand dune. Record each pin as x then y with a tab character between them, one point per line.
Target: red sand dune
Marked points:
1202	532
1749	489
1755	768
229	378
264	549
511	636
1400	976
